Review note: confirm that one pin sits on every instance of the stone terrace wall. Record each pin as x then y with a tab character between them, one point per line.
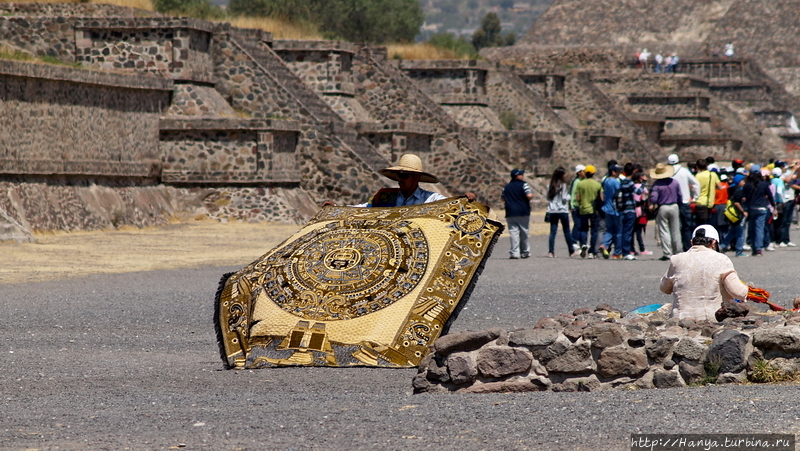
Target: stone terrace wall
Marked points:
176	48
255	81
455	155
57	120
56	203
554	142
229	151
590	351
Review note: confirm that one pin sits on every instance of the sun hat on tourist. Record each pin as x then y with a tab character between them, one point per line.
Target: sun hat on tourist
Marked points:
580	168
662	171
754	168
409	163
738	178
516	172
710	232
590	169
777	172
673	159
765	172
713	167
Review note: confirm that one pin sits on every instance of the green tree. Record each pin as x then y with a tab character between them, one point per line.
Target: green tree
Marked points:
490	33
291	10
373	21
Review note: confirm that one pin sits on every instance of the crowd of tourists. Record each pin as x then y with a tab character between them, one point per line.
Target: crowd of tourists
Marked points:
751	206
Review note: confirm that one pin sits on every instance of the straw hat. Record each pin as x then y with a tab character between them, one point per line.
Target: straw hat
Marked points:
662	171
409	163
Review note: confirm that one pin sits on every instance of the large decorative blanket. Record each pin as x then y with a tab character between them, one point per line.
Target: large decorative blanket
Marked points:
356	286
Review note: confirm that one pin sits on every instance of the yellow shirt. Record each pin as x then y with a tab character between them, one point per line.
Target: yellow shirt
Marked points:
708	188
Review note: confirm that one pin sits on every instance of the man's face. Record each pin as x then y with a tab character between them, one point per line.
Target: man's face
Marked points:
407	181
581	174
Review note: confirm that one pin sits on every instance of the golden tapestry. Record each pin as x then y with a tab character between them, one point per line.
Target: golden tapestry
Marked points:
356	287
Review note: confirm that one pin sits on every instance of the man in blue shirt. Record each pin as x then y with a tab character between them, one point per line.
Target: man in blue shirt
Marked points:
613	219
517	196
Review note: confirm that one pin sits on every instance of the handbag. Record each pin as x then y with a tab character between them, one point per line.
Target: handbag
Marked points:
547	217
732	213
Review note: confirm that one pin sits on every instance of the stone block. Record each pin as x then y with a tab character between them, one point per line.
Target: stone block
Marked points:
575	359
780	339
465	341
691	372
621	361
603	335
729	349
547	323
437	371
732	378
660	349
667	379
461	367
515	386
690	350
502	361
533	337
578	384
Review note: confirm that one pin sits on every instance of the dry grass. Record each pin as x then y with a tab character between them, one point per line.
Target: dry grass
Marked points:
280	29
421	51
141	4
186	244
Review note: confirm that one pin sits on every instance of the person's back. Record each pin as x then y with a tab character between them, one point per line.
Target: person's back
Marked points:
588	190
516	196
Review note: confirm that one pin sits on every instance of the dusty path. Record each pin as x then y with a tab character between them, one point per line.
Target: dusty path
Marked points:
129	360
190	244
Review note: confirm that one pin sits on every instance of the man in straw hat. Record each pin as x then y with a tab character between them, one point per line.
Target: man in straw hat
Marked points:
666	197
408	173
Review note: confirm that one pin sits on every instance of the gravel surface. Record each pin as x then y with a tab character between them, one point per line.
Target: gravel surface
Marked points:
129	361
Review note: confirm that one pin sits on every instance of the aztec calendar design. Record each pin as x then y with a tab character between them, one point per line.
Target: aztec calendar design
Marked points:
349	272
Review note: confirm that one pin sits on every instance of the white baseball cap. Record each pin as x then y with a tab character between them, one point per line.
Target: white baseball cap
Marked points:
673	159
777	172
580	168
709	232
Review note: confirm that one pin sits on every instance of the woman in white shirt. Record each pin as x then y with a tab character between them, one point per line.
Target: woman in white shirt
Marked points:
558	210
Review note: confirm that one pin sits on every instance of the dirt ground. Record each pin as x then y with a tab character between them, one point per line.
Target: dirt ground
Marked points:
190	244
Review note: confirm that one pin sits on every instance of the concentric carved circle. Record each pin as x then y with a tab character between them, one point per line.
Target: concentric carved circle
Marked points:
347	273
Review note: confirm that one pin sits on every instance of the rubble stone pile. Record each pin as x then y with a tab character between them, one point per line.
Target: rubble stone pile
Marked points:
606	349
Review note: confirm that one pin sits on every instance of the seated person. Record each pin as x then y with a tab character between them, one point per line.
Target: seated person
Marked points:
408	174
701	278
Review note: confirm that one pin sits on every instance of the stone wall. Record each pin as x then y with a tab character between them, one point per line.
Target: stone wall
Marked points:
58	203
455	153
258	83
198	100
229	151
325	66
58	120
176	48
603	350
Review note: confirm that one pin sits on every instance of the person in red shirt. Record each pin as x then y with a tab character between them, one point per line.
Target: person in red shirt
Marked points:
720	203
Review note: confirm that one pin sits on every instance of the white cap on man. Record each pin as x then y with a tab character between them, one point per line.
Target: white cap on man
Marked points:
580	168
673	159
708	231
